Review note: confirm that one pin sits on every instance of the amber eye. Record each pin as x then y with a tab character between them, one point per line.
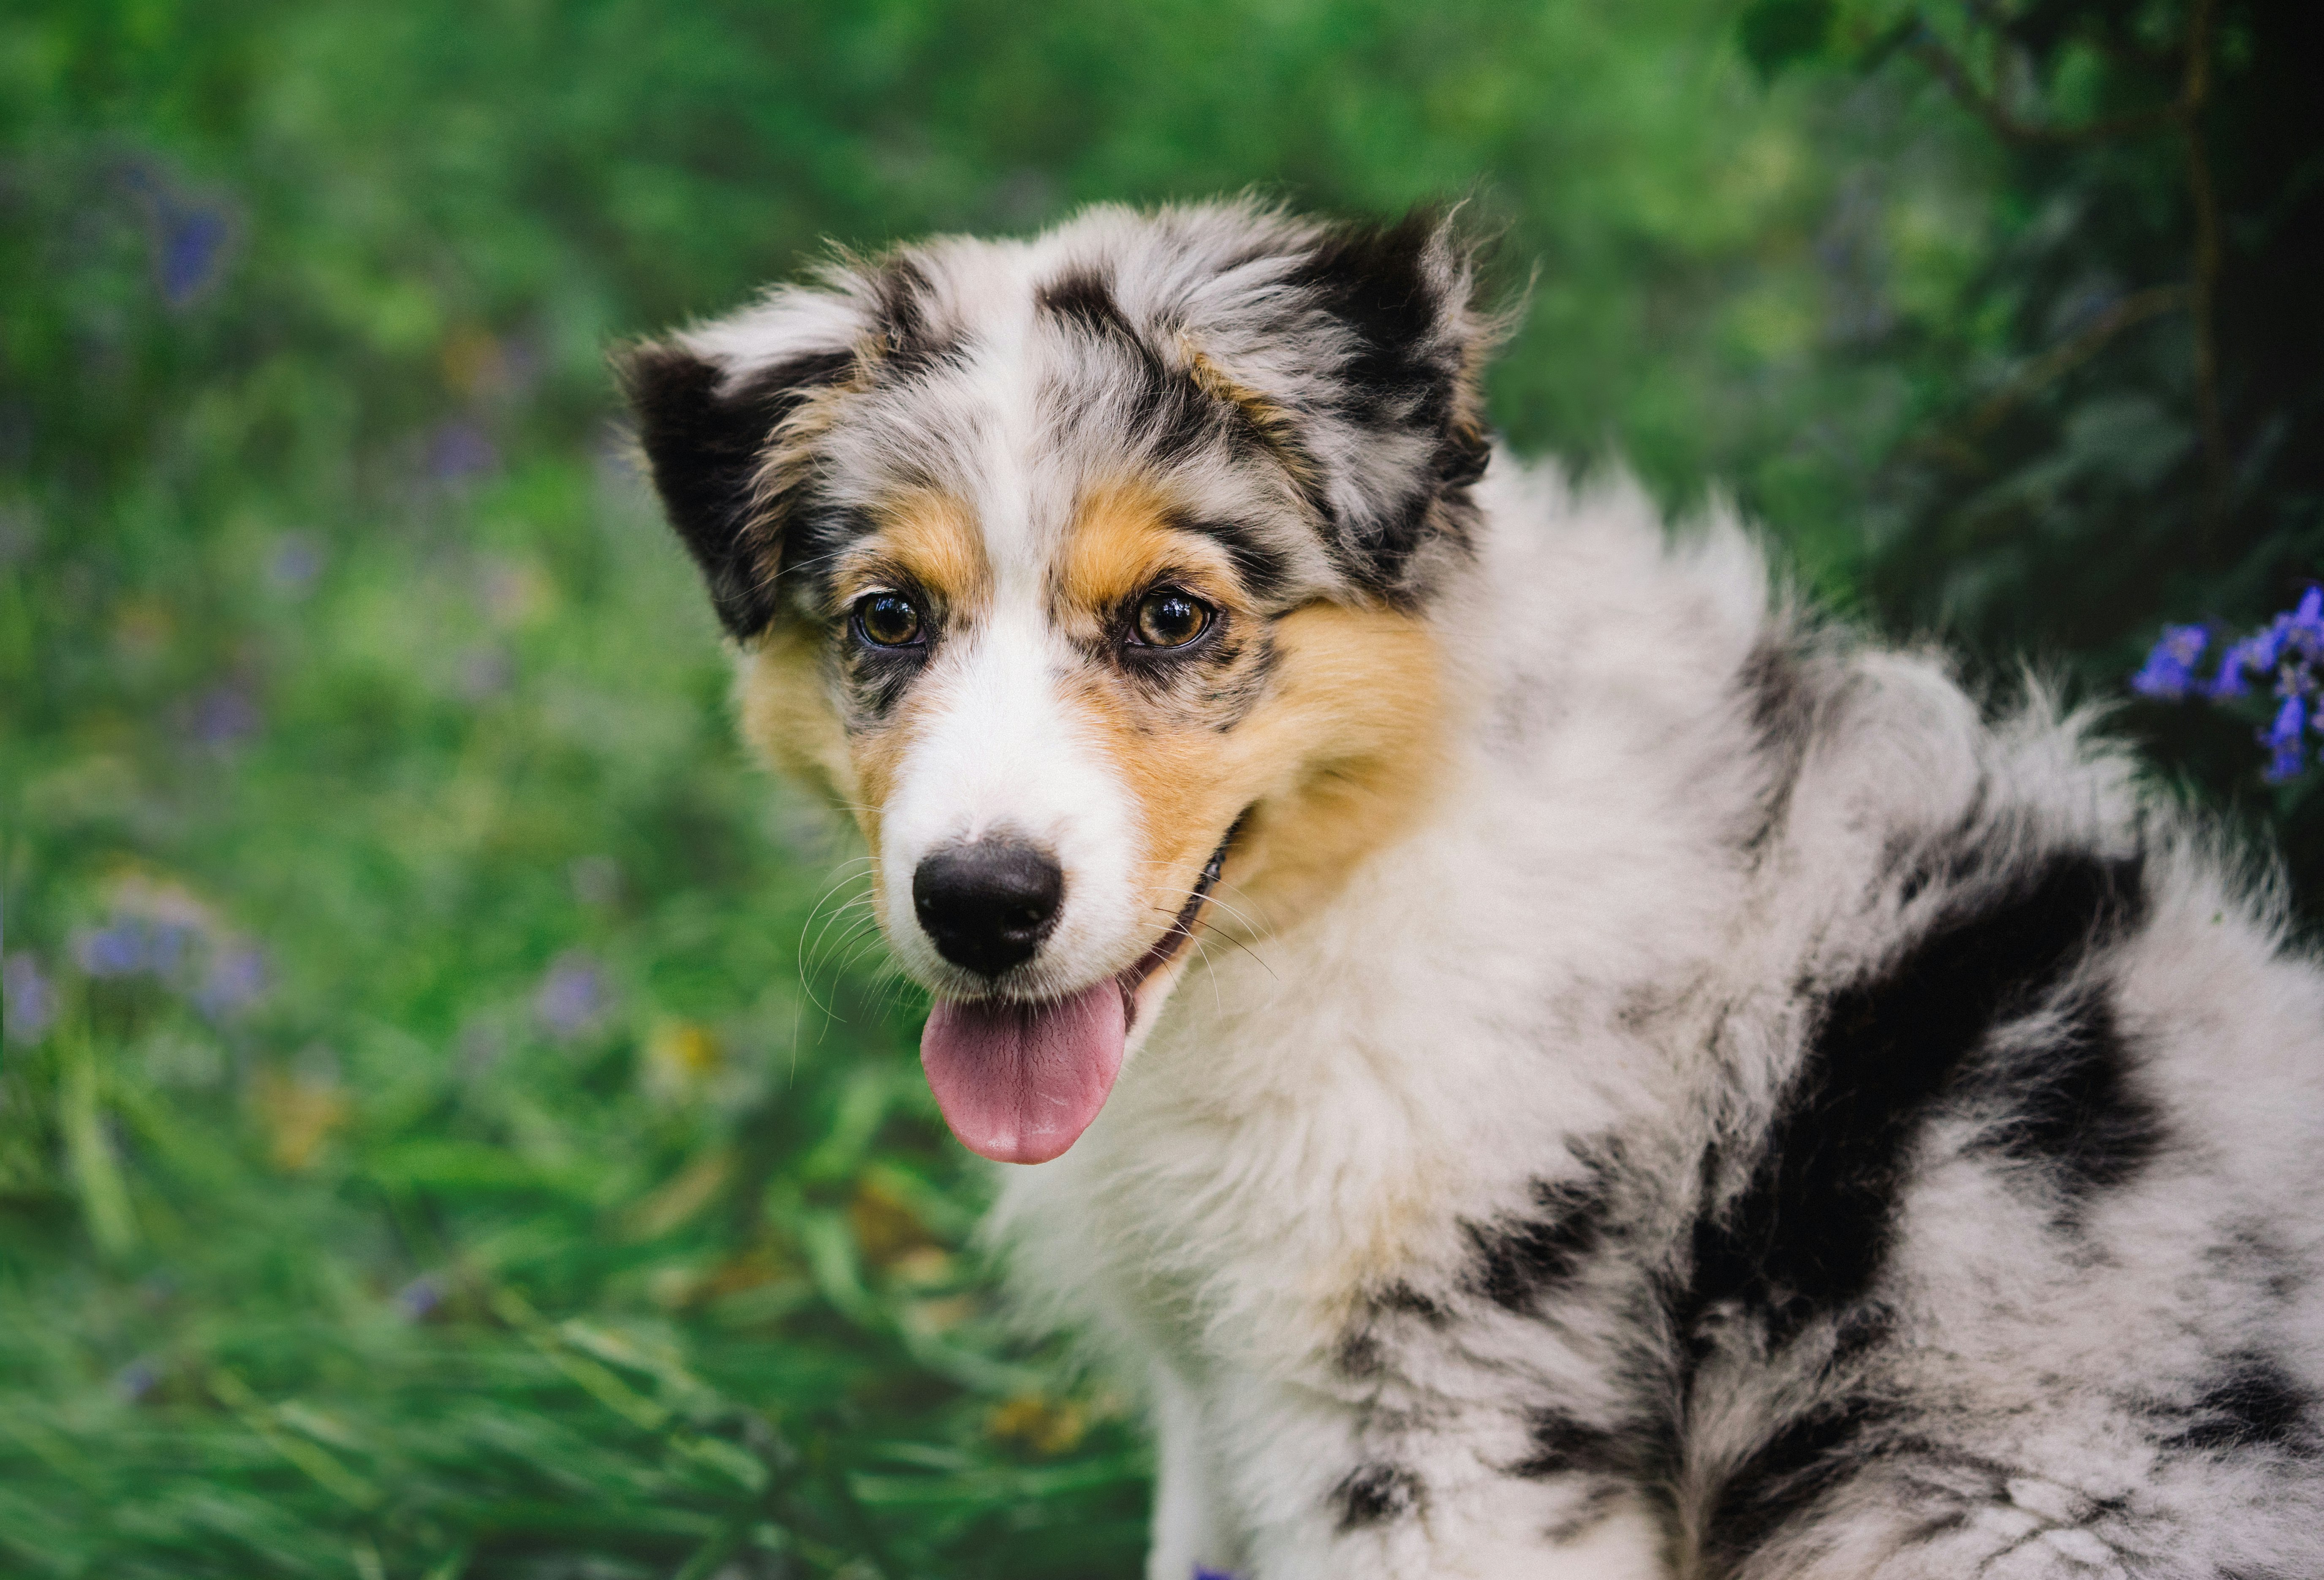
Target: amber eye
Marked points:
888	620
1170	618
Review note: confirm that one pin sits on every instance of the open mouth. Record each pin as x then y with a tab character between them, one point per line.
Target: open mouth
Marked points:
1018	1082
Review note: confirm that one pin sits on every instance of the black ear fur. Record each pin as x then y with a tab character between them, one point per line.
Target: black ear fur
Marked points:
1404	289
705	446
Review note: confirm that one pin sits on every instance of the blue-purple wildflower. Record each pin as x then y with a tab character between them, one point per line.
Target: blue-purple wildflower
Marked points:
2169	670
135	1382
460	449
188	244
2287	651
573	996
130	946
29	1003
419	1299
294	565
224	716
190	236
2285	740
235	979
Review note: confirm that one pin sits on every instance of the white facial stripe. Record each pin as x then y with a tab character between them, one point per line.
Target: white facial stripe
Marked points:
1002	750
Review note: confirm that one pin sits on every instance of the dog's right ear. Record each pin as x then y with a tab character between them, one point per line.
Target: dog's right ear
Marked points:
708	416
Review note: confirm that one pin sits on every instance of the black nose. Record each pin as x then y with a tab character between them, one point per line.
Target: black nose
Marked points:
988	905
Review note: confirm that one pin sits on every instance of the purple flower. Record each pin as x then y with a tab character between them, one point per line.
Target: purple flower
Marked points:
2262	648
2235	666
294	565
31	1005
190	236
136	1381
459	449
117	950
572	996
2303	628
235	980
2170	670
224	715
2287	651
1204	1574
132	945
188	244
2288	752
419	1299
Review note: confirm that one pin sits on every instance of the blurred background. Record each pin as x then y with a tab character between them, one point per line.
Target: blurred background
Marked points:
446	1125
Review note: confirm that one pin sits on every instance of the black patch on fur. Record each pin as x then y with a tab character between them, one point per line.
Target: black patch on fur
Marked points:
1373	1494
1520	1258
814	537
1373	279
1169	409
705	448
1229	701
1789	1474
1403	373
1564	1444
1263	568
1084	298
1782	703
1808	1232
1401	1298
2252	1402
2071	1107
1596	1504
910	345
1361	1355
1861	1329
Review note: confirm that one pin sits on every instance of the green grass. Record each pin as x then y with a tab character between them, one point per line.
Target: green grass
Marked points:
539	1215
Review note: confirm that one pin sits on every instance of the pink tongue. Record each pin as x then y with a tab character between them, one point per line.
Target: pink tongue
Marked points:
1019	1082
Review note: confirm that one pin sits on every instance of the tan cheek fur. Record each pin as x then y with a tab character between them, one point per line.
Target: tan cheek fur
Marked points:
1120	545
1346	745
1346	748
789	712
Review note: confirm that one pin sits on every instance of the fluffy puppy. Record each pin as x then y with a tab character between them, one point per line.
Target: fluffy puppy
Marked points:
1664	1090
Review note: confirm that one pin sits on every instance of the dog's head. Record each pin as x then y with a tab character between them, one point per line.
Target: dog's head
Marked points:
1080	570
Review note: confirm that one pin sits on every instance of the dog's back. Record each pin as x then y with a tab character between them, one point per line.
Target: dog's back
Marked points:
1655	1088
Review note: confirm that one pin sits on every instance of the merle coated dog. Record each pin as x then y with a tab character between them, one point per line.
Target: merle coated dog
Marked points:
1540	1058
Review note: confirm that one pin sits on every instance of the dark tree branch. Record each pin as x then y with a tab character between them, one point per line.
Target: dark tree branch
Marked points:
2004	123
1959	448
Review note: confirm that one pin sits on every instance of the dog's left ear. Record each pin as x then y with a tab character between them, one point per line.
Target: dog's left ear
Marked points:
1397	424
709	406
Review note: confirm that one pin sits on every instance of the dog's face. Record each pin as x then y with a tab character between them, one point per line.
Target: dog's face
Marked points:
1090	574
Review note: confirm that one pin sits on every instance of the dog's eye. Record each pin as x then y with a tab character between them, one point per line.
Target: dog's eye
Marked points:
888	620
1170	617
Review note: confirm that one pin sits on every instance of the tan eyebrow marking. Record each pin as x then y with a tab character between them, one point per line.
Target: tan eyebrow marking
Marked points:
1122	538
935	538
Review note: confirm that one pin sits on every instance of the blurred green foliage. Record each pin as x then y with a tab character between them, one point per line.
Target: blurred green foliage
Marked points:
453	1119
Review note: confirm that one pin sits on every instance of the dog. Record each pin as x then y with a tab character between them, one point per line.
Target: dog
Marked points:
1541	1057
